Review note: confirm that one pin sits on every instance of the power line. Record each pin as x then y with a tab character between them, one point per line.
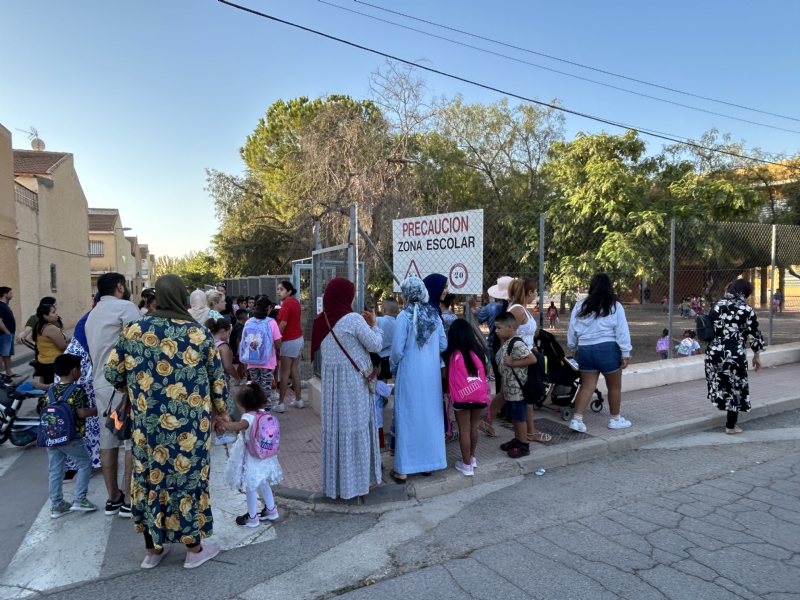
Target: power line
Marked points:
577	64
651	133
9	237
519	60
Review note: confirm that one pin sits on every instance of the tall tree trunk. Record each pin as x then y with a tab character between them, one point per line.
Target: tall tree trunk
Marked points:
764	291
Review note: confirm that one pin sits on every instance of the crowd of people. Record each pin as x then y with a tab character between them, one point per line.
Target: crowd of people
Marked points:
200	368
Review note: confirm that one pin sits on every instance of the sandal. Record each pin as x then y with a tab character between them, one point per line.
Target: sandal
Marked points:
393	474
540	437
486	428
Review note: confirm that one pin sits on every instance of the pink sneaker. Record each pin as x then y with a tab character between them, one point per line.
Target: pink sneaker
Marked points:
464	469
474	462
207	551
269	515
151	561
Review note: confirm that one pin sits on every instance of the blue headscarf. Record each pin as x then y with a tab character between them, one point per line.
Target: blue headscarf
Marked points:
80	332
435	285
422	315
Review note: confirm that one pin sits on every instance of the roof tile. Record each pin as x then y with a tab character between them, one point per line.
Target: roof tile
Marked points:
31	162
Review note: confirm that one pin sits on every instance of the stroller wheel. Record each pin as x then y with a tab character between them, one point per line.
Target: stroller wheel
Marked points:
566	413
597	405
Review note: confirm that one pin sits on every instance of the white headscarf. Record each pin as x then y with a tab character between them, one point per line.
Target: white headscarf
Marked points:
199	308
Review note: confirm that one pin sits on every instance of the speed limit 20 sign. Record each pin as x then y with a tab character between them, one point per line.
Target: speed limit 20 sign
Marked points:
450	244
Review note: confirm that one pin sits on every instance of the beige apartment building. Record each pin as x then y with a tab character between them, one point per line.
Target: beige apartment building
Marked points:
50	230
9	261
147	266
109	249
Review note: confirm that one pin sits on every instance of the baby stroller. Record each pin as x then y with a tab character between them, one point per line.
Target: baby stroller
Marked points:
564	378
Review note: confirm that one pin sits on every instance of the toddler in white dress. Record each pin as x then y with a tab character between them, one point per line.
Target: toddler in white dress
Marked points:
246	472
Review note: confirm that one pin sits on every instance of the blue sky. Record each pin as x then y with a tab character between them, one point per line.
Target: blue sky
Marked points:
147	94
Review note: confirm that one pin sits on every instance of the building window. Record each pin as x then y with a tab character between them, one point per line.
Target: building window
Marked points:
53	282
95	248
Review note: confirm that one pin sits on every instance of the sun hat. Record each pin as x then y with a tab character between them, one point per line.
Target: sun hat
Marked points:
500	291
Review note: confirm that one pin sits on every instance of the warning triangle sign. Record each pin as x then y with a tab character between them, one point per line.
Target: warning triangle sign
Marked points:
413	271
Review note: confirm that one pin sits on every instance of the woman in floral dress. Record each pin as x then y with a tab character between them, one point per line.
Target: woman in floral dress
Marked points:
168	365
726	358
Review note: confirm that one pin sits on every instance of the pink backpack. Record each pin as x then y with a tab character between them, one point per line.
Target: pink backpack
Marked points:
465	387
265	435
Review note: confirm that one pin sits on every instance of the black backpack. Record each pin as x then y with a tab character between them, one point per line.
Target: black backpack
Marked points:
705	328
535	388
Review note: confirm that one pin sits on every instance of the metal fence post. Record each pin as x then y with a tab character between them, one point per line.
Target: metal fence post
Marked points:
772	282
671	282
352	252
541	270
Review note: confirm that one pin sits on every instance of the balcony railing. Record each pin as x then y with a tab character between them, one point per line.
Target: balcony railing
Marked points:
26	197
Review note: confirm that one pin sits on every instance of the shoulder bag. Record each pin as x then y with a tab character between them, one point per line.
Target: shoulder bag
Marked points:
369	374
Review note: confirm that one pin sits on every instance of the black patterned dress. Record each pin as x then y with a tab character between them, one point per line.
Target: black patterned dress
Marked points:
726	358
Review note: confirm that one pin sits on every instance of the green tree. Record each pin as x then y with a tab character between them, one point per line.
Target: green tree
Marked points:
197	269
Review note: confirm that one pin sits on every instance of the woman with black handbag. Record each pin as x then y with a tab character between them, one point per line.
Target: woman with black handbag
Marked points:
350	445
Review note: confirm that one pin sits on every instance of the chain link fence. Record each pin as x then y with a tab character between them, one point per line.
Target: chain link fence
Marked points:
664	272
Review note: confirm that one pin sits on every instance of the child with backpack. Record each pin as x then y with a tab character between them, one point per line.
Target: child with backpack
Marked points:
662	345
513	359
253	465
259	345
470	392
62	428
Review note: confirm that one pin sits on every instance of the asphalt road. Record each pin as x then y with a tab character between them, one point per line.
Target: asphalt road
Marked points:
702	517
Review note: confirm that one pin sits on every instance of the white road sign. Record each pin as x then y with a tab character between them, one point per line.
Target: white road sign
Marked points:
450	244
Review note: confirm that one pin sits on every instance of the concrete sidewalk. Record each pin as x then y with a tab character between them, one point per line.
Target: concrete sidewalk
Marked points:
656	413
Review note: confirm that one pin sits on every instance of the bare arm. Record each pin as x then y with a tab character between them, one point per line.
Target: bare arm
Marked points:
85	413
22	335
55	335
282	325
3	329
226	356
237	426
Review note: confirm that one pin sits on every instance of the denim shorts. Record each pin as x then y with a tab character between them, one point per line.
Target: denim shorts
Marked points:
518	410
6	344
600	358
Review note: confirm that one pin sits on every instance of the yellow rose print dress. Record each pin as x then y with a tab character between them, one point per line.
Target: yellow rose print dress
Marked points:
172	373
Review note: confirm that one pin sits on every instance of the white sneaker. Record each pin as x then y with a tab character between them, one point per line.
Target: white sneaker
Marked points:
578	426
474	462
279	408
222	440
298	403
619	423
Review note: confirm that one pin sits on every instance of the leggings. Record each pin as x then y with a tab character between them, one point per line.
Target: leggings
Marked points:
252	498
733	416
150	544
262	376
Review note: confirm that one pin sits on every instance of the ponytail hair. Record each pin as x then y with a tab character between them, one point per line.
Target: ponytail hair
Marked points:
217	325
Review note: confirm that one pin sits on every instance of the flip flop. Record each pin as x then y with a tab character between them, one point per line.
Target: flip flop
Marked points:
395	478
540	437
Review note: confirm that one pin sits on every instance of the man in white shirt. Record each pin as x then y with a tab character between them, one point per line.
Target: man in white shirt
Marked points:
104	325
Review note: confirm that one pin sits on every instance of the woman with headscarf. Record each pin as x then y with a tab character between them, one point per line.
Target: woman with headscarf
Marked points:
201	303
169	367
351	461
416	348
734	323
436	285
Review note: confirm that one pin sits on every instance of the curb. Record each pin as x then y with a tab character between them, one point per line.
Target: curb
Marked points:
447	481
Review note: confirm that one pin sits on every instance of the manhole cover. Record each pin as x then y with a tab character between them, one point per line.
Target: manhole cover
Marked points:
561	432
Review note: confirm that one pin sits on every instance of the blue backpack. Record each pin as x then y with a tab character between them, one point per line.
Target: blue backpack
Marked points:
57	421
256	345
